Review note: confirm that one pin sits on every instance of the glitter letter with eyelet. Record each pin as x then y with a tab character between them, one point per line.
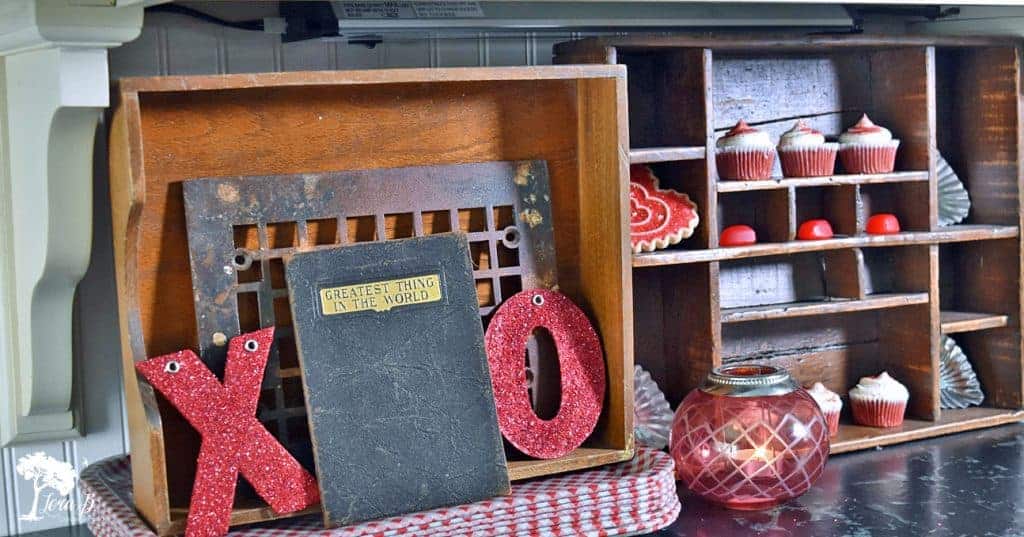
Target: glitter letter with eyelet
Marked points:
233	440
580	361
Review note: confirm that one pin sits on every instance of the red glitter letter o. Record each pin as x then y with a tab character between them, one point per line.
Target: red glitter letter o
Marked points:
579	357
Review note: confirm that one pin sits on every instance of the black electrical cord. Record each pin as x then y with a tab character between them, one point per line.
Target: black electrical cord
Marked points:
252	25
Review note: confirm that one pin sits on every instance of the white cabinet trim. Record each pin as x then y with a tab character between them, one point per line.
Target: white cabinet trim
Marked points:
53	87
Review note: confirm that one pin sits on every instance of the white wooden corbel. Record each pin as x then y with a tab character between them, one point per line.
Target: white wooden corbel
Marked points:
54	85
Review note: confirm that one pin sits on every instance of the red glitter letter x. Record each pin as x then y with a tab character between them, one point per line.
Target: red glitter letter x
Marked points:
233	440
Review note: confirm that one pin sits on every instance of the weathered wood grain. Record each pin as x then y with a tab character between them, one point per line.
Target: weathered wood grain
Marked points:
171	129
846	274
768	43
764	340
905	343
838	179
854	437
822	307
771	280
954	322
772	91
949	234
665	154
838	368
767	212
835	204
986	278
678	349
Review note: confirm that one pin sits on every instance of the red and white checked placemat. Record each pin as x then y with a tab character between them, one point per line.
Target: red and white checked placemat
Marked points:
633	497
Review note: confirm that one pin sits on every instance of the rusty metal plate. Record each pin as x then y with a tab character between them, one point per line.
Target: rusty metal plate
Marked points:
239	228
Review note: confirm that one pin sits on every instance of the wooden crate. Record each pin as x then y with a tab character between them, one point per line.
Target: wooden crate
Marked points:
169	129
838	309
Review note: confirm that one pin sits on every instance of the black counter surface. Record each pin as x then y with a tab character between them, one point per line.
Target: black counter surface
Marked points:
968	484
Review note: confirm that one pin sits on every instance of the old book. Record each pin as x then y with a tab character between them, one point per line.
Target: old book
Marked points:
397	387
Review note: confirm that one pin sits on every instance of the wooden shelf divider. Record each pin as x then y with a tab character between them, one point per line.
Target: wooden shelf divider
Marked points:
854	437
860	179
823	307
959	233
649	155
962	321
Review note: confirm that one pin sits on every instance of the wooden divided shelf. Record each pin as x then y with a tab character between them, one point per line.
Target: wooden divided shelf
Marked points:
839	309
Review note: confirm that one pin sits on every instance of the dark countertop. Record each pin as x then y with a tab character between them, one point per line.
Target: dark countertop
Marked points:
969	484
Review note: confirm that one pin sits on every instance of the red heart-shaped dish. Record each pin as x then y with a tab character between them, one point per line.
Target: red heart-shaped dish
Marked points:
658	217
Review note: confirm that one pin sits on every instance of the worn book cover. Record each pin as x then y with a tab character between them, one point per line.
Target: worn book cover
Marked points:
397	386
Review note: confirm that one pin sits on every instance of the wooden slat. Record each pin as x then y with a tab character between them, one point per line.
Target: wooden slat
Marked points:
149	473
959	233
777	42
580	458
244	511
963	321
600	246
854	179
803	309
905	343
683	109
846	274
854	437
908	337
665	154
903	99
307	79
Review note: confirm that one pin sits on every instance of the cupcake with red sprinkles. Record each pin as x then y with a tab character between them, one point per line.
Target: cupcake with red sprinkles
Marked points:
867	148
745	154
803	152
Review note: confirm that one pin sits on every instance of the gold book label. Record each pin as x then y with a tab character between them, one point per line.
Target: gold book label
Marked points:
381	296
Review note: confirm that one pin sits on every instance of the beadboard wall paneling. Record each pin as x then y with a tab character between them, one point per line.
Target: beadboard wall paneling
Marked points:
179	45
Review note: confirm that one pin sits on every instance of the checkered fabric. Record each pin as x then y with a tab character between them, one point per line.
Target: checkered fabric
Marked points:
633	497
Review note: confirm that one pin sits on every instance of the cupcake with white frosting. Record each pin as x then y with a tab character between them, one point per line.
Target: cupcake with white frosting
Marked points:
745	154
867	148
830	405
803	152
879	401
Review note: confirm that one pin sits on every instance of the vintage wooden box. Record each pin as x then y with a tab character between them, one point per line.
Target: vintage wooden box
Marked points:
834	310
166	130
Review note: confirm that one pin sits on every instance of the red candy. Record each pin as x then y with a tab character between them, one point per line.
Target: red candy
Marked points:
580	360
883	224
813	230
233	440
738	235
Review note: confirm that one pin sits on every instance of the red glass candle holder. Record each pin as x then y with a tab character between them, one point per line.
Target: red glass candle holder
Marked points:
749	438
